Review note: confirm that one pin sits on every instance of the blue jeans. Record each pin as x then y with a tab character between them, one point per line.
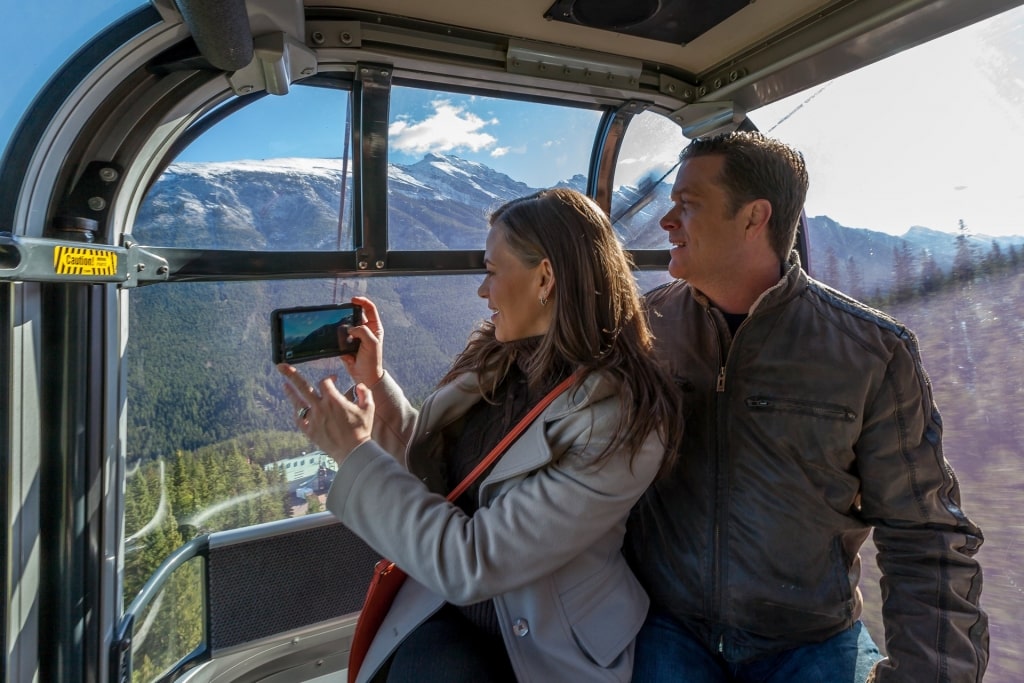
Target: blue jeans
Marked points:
666	652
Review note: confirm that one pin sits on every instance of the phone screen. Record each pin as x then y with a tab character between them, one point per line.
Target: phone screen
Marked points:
311	332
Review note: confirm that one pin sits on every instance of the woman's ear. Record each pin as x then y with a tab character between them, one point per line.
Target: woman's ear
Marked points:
546	275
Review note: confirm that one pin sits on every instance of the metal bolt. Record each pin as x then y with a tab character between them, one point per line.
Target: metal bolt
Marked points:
108	174
318	37
385	73
308	71
380	265
162	270
702	91
346	37
672	88
687	94
363	265
245	89
734	76
718	83
97	203
141	267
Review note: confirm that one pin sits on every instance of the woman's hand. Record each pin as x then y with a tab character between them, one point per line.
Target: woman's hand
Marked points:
367	365
331	421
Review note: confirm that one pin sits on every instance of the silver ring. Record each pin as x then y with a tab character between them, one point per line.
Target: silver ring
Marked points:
303	412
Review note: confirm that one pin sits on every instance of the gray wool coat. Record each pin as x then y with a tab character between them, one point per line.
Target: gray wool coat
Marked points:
544	545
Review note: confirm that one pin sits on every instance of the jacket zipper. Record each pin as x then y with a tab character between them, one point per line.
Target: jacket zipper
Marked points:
719	483
834	412
721	488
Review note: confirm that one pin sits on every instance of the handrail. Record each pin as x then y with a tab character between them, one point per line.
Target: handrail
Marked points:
121	648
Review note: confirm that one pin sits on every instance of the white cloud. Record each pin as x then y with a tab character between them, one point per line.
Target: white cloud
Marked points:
500	151
449	128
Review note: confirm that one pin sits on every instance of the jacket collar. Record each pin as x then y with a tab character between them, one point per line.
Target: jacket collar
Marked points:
792	282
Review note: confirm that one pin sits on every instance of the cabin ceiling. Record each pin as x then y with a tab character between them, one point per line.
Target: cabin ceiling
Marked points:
694	36
746	53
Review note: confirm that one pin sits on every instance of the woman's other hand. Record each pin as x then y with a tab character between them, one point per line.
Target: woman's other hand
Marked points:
331	421
367	365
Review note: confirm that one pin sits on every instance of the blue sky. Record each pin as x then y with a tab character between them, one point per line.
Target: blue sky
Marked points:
923	138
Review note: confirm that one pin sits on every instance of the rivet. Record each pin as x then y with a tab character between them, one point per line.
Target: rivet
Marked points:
162	270
97	203
108	174
363	265
672	88
318	37
141	267
346	37
245	89
308	71
380	265
718	83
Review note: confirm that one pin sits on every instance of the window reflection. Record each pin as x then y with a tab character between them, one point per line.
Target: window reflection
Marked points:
644	174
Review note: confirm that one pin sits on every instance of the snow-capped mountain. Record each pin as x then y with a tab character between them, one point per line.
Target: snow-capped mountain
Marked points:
442	202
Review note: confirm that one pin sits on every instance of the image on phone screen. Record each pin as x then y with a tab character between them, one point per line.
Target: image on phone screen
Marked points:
310	332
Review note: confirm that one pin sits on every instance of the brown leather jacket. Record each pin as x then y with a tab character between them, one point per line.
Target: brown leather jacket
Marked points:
810	427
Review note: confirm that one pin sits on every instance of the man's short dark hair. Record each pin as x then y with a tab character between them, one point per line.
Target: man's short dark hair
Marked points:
759	167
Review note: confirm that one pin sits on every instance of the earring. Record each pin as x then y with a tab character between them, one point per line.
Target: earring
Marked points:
543	301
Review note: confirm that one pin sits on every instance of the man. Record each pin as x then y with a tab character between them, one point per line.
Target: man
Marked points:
809	421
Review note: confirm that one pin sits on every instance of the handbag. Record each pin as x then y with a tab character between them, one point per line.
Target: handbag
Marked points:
388	578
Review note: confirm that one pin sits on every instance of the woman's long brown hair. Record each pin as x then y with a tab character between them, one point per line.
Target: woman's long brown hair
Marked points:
599	323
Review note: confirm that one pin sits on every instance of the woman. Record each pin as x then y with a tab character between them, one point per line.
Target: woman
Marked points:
523	578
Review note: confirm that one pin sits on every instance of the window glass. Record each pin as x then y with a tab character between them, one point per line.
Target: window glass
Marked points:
267	177
912	209
455	158
644	174
212	443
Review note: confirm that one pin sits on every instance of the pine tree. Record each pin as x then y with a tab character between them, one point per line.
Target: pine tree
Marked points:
932	276
830	274
855	281
904	280
964	268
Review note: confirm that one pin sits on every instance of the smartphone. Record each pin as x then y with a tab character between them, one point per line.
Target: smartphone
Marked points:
310	332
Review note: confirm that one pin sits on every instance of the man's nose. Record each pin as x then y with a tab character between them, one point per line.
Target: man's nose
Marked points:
670	221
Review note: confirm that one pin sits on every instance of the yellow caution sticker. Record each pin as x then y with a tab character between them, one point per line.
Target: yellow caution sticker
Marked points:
81	261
